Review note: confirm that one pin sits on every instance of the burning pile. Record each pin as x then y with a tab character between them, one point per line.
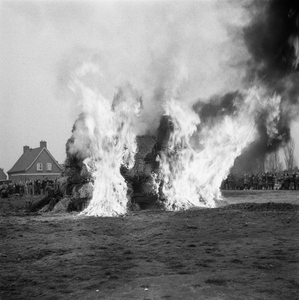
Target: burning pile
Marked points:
108	141
198	143
200	157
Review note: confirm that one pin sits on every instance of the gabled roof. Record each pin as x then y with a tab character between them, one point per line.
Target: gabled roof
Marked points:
2	175
28	158
25	160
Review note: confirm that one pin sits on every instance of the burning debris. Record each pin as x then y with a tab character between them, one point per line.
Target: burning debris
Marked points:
127	158
185	164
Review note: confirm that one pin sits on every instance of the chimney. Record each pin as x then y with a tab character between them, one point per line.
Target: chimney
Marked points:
25	148
43	144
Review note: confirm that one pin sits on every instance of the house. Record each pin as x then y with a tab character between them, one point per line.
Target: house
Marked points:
3	176
37	163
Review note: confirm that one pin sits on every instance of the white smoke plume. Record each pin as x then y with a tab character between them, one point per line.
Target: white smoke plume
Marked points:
149	43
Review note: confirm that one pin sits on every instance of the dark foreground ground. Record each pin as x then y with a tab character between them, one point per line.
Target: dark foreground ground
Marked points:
239	251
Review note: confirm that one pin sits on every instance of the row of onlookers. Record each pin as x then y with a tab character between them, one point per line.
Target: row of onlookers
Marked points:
29	187
287	180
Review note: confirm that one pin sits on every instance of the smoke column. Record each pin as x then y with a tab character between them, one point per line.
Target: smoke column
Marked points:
184	60
271	37
154	45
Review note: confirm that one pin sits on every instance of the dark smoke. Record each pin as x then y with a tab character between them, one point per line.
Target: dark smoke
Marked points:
218	106
268	37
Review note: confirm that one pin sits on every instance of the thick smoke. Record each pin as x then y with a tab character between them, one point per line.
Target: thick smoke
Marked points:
272	40
271	37
185	50
218	106
161	49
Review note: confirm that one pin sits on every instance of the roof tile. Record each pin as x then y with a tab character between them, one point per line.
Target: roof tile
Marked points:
25	160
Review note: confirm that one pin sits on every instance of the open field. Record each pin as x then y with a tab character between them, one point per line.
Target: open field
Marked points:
238	251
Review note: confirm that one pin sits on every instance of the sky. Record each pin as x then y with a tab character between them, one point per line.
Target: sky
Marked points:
44	42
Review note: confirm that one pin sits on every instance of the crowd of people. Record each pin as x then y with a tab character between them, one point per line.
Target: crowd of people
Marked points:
29	187
286	180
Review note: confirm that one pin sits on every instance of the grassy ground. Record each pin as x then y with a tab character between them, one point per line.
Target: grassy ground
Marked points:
239	251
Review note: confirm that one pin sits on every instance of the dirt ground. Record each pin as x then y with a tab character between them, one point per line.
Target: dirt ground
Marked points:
242	250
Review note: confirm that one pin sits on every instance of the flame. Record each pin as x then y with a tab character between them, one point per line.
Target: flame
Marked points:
197	158
192	169
108	137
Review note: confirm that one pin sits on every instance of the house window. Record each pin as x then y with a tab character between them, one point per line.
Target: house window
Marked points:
39	166
49	166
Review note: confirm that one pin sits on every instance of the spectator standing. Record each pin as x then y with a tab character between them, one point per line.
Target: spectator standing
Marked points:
291	181
22	188
297	180
245	181
264	181
17	188
29	187
260	182
269	185
250	183
286	181
26	188
43	187
255	181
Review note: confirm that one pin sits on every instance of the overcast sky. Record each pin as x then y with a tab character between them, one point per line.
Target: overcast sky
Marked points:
43	42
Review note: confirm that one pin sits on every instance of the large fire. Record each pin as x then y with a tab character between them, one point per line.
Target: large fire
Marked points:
198	159
194	161
107	135
197	151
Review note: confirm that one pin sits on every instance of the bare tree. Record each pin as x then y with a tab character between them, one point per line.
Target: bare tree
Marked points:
288	151
273	163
